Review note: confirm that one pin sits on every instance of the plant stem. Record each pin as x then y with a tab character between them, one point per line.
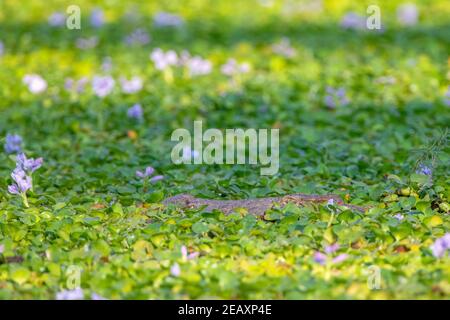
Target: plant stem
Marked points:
25	200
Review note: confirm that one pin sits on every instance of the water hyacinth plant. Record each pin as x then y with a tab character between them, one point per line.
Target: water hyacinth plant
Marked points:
29	165
36	84
335	97
22	176
21	184
135	112
441	246
102	85
363	146
131	86
327	257
13	143
147	177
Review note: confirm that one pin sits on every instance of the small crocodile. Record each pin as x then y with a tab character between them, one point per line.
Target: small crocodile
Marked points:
256	206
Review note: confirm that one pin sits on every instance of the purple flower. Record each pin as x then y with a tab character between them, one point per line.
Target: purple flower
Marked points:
75	294
28	165
189	154
188	256
162	59
175	270
138	37
57	19
407	14
441	245
198	66
102	86
423	169
97	18
87	43
399	217
335	97
331	248
36	84
284	48
78	86
2	48
13	189
107	64
164	19
13	143
135	112
148	172
21	182
131	86
353	21
340	258
231	67
96	296
156	178
320	258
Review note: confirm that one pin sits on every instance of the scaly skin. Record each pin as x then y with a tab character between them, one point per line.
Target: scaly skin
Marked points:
254	206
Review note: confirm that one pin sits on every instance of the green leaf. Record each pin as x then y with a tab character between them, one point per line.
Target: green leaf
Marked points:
199	227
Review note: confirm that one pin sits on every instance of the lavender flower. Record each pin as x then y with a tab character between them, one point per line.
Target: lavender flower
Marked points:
75	294
13	143
323	258
57	19
332	248
21	184
340	258
96	296
2	48
231	67
399	217
320	258
28	165
424	169
97	18
175	270
77	85
36	84
136	112
284	48
156	178
407	14
164	19
198	66
86	43
189	154
441	245
147	173
107	64
102	86
353	21
162	59
335	97
131	86
138	37
188	256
